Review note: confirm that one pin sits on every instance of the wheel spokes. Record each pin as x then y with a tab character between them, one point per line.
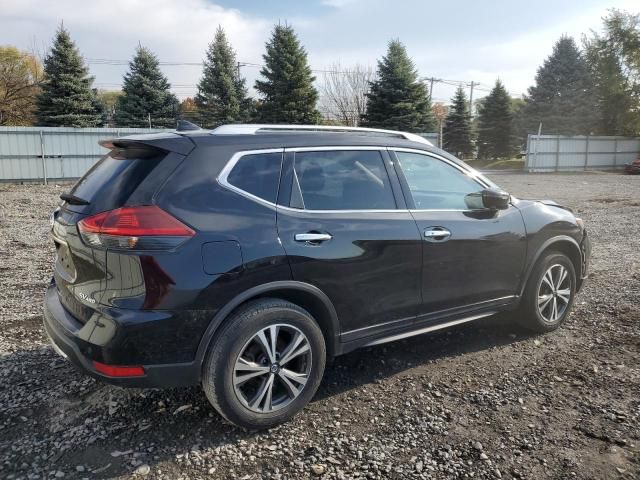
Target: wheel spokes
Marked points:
290	378
543	300
561	277
564	294
262	400
297	346
260	379
548	279
254	370
554	293
266	345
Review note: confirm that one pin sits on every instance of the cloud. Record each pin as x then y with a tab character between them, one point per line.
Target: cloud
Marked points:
175	31
453	40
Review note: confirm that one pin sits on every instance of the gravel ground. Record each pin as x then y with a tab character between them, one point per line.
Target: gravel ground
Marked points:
484	400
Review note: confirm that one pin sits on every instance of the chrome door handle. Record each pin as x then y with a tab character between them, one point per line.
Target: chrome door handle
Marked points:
436	234
312	237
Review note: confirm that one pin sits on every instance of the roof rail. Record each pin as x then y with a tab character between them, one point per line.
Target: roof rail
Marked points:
248	129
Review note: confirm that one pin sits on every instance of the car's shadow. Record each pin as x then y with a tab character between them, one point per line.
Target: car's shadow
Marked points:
165	426
372	364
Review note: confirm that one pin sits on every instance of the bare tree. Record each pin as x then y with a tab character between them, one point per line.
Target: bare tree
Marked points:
344	93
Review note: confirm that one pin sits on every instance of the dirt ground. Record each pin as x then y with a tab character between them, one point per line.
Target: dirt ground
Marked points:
482	400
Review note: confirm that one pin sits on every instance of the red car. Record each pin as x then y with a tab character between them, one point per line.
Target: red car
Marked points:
633	168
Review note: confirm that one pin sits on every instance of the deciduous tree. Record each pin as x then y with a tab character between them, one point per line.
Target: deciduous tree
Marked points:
344	93
20	76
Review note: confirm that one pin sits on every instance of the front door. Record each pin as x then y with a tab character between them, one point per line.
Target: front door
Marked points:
346	230
471	258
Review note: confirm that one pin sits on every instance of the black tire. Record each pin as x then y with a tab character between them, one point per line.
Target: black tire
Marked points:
543	320
239	336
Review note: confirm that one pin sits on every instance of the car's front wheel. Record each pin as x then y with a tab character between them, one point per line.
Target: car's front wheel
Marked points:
265	365
549	294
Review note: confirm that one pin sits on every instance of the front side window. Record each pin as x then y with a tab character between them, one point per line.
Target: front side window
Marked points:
257	174
341	180
434	184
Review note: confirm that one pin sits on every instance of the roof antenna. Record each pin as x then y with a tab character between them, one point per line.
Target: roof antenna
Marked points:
185	126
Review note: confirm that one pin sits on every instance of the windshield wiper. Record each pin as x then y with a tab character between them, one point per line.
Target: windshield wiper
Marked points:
73	200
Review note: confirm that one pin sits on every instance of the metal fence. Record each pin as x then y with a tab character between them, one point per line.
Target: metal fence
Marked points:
432	137
41	154
552	153
32	154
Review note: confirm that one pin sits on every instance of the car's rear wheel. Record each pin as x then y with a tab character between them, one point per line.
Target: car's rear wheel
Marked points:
549	294
265	365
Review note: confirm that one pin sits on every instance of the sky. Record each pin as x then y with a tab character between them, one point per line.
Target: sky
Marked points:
455	40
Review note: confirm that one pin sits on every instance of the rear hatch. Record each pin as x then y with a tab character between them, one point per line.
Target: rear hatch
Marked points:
130	174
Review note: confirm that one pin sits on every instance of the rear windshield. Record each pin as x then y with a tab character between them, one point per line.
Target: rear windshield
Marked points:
112	180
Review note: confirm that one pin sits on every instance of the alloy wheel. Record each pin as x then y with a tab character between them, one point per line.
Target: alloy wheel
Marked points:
272	368
554	293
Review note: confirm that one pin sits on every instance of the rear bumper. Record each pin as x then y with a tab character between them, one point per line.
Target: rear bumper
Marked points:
70	339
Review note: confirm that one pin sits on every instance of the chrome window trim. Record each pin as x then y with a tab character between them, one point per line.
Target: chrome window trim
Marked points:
329	148
223	176
297	210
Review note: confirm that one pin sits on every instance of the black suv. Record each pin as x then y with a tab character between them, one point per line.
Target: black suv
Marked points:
244	257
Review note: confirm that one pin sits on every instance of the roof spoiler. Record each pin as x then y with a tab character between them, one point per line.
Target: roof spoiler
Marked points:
168	142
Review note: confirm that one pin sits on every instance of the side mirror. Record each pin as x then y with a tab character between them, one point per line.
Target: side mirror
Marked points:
495	199
488	200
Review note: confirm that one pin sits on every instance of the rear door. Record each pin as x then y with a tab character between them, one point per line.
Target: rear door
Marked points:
471	258
346	229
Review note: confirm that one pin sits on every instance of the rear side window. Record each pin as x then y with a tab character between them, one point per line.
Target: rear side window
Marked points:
341	180
257	174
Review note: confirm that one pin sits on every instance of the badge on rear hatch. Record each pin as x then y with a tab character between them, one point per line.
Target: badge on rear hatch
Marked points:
86	297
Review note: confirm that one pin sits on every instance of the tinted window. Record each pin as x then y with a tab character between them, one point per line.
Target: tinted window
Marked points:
258	174
342	180
114	178
435	184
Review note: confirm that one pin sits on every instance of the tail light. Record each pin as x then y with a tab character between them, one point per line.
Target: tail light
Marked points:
146	227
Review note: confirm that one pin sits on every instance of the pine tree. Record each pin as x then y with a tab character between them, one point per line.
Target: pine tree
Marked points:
66	98
495	124
287	91
457	135
397	100
562	98
146	97
222	93
614	61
